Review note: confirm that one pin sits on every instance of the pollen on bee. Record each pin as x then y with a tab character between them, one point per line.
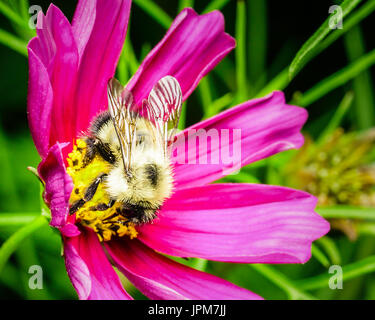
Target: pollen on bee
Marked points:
106	223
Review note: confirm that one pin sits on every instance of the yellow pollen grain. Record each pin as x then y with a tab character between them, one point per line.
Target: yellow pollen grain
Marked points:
107	223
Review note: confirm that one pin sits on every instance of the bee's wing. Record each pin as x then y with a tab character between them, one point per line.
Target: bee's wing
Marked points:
122	110
163	108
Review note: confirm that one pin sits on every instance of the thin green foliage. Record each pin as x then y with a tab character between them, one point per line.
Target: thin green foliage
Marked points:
152	9
336	80
347	212
185	4
12	243
240	51
320	256
364	104
11	41
257	38
279	279
337	117
306	52
215	5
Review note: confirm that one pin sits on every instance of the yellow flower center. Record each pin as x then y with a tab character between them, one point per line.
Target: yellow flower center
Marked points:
106	223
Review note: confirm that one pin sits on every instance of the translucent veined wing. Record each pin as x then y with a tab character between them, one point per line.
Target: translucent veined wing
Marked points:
163	108
124	116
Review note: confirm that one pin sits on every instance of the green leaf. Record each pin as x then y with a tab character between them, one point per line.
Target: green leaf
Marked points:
307	50
155	12
336	80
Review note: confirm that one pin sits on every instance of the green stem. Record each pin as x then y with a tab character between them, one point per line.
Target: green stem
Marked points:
11	15
11	244
350	22
240	52
155	12
182	121
330	248
277	83
337	79
347	212
12	42
205	92
282	282
319	255
257	38
306	53
185	4
362	84
337	117
217	105
215	5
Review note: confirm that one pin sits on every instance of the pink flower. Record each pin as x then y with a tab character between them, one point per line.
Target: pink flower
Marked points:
70	65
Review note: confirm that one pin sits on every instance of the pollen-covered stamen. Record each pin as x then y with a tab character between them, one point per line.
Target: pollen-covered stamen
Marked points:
95	209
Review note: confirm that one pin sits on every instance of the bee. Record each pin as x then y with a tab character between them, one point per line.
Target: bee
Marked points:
134	141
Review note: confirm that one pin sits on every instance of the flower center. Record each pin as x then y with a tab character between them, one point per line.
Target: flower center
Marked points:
106	220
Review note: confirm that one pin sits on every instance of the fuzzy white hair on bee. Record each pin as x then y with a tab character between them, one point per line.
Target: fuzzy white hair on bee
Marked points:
134	141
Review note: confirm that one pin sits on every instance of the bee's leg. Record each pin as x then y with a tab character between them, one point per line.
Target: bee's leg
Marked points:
76	205
89	194
91	151
103	206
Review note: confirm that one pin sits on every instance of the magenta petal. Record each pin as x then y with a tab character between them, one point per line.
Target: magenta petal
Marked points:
247	223
193	45
100	53
83	22
39	103
161	278
56	48
59	184
89	269
249	132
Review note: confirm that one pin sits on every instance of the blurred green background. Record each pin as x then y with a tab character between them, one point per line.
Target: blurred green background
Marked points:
281	45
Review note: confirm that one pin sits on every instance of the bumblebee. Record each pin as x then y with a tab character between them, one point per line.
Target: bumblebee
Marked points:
134	141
